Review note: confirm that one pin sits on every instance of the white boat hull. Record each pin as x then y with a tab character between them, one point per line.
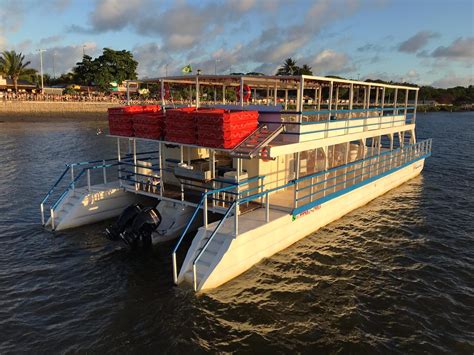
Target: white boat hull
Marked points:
81	207
174	216
227	256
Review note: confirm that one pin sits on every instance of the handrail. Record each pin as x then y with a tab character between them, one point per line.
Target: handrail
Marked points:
320	173
221	222
70	186
110	159
55	184
50	192
188	225
325	112
77	179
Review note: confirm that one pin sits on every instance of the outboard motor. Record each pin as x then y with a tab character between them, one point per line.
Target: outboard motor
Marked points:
126	217
144	224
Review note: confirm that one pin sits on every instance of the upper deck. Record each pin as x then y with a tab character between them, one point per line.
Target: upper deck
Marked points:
315	111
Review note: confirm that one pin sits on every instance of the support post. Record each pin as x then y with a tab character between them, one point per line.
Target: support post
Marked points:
223	94
376	96
128	93
326	166
416	104
52	219
135	163
181	159
72	178
331	87
382	105
104	171
42	213
320	93
368	100
351	99
162	91
406	102
297	176
160	166
267	208
119	159
395	99
275	95
300	105
89	180
241	89
212	161
197	91
286	99
236	213
205	209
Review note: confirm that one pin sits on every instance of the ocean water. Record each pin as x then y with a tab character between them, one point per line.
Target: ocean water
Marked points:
395	276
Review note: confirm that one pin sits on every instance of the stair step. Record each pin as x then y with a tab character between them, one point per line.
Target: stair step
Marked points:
189	275
204	263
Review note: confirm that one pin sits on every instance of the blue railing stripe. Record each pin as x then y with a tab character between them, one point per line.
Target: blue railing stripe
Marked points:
320	201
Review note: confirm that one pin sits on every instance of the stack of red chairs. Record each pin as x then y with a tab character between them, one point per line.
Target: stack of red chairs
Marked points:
121	120
224	129
180	125
138	121
149	124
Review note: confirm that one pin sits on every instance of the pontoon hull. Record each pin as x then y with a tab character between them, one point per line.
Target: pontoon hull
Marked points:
233	256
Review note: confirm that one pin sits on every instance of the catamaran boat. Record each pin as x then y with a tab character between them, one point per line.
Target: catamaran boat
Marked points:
241	167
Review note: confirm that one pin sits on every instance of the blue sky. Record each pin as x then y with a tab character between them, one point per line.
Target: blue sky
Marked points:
421	41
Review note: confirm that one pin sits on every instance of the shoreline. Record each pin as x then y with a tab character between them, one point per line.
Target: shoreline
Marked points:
42	111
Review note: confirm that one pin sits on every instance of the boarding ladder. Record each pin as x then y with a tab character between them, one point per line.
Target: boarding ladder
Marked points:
251	146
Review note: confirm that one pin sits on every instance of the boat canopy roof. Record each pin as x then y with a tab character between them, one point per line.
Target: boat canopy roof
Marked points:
270	81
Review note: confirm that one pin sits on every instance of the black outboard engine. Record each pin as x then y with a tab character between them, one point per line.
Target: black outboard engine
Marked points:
126	218
139	232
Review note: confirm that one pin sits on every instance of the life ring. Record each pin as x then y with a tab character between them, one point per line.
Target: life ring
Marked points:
167	94
247	92
264	154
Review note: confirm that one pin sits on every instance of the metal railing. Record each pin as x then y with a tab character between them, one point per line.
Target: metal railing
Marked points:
73	185
86	168
233	206
213	195
326	184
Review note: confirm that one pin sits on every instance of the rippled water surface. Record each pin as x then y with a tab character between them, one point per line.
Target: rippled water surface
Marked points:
393	276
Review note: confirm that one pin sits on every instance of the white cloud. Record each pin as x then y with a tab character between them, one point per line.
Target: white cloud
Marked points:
459	49
329	61
65	57
152	61
417	41
451	79
116	14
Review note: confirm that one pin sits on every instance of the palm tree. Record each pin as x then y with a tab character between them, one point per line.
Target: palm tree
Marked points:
289	67
305	70
11	63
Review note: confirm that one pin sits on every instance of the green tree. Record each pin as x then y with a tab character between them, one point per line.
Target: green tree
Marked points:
13	66
110	66
305	70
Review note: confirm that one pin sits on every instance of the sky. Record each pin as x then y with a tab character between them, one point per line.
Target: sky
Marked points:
428	42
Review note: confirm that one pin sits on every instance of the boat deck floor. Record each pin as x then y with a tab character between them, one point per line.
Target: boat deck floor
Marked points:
249	221
191	196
